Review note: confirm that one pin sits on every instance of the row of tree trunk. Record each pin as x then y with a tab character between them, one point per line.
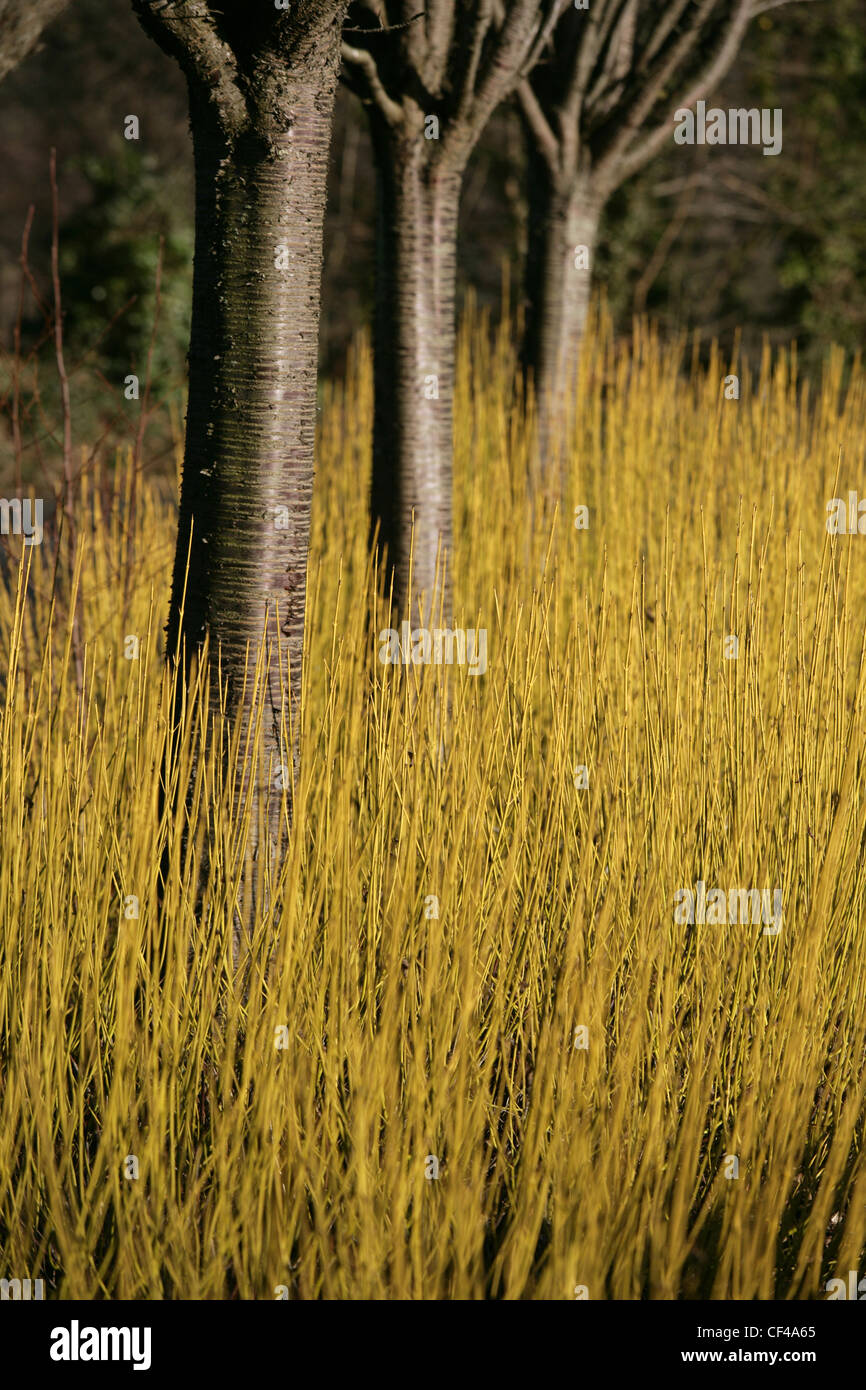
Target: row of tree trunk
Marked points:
594	86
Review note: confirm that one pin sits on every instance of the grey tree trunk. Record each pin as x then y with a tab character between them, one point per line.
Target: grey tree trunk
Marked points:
596	108
21	26
248	467
417	208
261	90
563	232
430	79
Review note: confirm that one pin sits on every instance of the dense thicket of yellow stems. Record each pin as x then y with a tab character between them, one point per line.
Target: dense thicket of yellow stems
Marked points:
301	1160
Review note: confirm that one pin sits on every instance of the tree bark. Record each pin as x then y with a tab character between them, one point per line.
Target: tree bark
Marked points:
595	110
430	79
21	26
417	209
563	216
248	470
261	91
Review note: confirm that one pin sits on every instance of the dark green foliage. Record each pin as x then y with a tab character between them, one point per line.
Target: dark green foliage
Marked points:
109	252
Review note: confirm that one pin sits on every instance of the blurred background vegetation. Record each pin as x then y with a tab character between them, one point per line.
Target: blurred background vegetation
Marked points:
719	241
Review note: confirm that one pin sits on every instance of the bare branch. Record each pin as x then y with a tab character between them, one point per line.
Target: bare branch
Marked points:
524	21
622	43
668	22
597	32
483	19
775	5
406	14
544	34
366	63
376	8
21	26
610	83
546	141
657	259
611	169
620	163
438	31
185	30
383	28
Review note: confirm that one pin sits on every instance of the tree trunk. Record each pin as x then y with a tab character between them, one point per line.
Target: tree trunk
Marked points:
417	208
248	469
563	229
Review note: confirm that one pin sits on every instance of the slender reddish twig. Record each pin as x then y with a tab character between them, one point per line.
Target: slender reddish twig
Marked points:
16	370
58	342
69	498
